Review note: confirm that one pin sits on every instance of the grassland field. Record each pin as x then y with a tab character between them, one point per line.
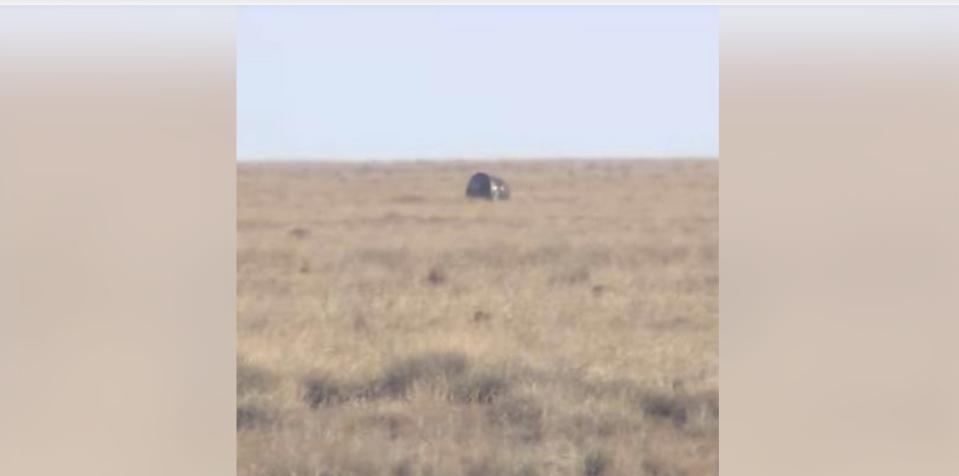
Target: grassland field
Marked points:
386	325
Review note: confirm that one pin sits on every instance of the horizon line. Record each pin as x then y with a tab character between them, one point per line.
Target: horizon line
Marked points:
475	159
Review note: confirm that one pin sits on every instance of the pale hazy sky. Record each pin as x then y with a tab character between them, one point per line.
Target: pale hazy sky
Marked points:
383	82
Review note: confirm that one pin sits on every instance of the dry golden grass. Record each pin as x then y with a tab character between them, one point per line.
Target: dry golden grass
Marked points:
389	326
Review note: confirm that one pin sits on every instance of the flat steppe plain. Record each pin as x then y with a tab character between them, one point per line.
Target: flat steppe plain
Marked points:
386	325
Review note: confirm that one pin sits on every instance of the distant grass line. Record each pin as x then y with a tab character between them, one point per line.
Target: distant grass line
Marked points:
341	162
